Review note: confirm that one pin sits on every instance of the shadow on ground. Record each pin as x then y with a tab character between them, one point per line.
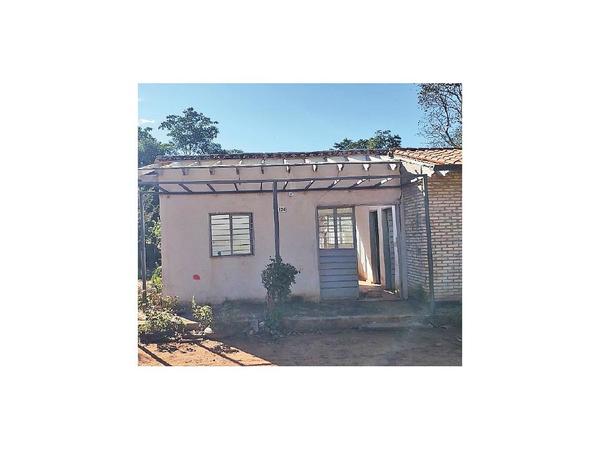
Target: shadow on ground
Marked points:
422	346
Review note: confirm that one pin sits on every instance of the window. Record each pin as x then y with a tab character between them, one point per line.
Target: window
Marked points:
336	227
231	234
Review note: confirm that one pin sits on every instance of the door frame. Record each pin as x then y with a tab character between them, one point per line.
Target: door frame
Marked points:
354	241
387	247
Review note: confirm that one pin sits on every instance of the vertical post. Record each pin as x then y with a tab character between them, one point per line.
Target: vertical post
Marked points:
276	219
429	244
143	247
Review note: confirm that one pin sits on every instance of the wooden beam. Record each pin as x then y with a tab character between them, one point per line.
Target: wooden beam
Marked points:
185	187
270	180
367	166
429	243
276	220
309	185
143	246
210	187
382	182
333	184
211	169
256	191
357	183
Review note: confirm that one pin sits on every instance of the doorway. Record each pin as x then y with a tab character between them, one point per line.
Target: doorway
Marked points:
374	246
389	260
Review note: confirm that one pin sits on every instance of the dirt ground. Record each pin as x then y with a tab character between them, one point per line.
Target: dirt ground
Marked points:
409	347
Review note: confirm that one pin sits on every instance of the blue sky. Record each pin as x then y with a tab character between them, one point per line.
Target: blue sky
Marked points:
288	117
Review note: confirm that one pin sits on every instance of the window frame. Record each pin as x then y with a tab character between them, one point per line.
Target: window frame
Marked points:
231	214
335	219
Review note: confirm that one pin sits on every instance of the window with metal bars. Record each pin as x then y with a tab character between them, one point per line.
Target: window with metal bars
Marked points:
336	227
231	234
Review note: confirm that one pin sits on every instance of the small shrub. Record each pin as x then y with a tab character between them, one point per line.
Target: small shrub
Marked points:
160	326
273	321
277	278
160	323
156	278
203	314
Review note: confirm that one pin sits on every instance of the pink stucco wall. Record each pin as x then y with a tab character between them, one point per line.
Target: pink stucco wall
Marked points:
185	233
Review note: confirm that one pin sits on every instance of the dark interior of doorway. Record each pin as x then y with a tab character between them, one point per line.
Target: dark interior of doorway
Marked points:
374	233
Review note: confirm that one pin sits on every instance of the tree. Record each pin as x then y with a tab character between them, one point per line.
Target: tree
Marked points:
149	147
442	104
192	133
382	139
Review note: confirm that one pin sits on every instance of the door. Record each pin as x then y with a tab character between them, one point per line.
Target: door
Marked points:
338	274
374	244
388	248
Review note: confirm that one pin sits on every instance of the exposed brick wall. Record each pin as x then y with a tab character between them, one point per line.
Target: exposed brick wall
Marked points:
445	209
415	237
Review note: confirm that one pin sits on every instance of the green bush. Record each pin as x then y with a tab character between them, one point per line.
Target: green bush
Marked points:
160	326
156	278
273	321
203	314
277	278
160	321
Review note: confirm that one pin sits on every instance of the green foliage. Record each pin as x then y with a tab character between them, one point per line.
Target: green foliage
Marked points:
156	278
149	147
273	321
203	314
160	326
442	105
277	278
382	139
192	133
160	321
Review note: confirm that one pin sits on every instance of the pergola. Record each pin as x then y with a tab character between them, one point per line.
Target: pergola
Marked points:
204	175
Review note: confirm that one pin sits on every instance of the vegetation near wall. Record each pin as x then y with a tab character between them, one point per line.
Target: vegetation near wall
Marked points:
193	133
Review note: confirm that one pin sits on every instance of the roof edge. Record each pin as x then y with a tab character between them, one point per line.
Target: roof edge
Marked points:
253	155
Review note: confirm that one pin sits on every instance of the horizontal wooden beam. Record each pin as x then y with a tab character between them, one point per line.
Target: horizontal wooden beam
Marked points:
256	191
272	180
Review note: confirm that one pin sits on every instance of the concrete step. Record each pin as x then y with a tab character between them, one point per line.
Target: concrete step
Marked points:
391	326
347	322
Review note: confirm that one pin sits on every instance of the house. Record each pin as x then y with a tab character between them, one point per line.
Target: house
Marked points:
344	219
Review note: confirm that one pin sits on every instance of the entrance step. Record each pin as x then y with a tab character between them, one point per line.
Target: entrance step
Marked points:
411	322
348	322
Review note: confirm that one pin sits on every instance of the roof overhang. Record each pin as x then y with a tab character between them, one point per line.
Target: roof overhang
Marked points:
184	175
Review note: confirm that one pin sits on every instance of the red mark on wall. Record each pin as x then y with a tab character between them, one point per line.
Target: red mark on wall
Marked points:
196	277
